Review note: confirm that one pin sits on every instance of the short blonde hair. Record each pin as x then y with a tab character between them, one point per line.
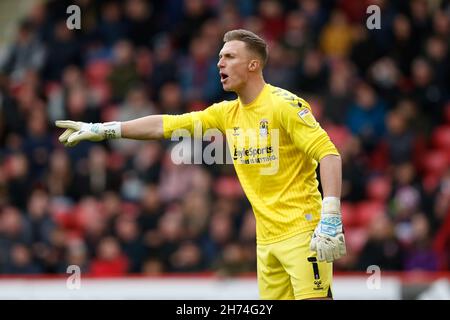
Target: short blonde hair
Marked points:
253	42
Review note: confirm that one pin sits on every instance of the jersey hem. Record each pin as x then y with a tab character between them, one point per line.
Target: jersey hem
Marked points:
285	236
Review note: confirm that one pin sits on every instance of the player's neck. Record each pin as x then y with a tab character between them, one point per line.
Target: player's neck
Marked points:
252	90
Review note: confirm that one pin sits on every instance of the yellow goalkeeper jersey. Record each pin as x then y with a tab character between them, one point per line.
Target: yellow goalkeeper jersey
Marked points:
276	144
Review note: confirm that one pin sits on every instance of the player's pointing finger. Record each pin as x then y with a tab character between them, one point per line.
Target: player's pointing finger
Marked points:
67	124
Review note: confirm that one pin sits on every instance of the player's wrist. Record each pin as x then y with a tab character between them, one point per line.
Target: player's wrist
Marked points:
105	130
112	130
331	205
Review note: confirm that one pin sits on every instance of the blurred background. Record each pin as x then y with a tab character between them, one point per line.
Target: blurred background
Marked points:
122	208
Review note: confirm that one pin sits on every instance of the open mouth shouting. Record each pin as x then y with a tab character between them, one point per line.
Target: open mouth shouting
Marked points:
223	77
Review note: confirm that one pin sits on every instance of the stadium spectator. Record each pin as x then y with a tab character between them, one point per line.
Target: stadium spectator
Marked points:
123	75
26	53
382	247
366	116
110	260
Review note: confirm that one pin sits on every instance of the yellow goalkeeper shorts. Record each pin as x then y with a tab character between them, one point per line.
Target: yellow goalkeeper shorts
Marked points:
289	270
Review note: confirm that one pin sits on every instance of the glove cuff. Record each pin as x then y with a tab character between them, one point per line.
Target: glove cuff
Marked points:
331	205
112	130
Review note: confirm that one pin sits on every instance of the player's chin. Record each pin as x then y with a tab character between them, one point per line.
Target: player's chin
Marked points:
227	87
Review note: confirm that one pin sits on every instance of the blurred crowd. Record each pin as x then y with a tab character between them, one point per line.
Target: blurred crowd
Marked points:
123	207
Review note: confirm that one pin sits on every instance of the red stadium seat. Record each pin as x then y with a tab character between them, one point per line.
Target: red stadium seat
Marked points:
430	182
339	135
379	188
51	87
130	208
355	239
197	105
435	162
110	113
447	113
316	107
379	158
366	211
97	71
348	214
116	160
228	187
441	137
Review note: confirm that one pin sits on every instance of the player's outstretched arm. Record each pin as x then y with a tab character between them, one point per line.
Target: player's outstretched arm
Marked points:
145	128
328	238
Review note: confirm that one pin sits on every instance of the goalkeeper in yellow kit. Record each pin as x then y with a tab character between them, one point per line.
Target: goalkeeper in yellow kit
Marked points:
299	233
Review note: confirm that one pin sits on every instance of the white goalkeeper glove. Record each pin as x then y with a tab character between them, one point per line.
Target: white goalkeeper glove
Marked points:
77	131
328	237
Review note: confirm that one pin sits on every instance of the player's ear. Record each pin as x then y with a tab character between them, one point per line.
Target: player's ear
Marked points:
253	65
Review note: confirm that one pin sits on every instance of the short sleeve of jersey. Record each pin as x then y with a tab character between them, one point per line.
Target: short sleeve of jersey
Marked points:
211	117
306	133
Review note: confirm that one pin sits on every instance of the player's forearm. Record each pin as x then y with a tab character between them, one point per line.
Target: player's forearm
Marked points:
145	128
331	175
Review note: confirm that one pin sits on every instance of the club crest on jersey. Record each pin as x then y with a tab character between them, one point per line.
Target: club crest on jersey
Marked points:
307	117
235	131
263	128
